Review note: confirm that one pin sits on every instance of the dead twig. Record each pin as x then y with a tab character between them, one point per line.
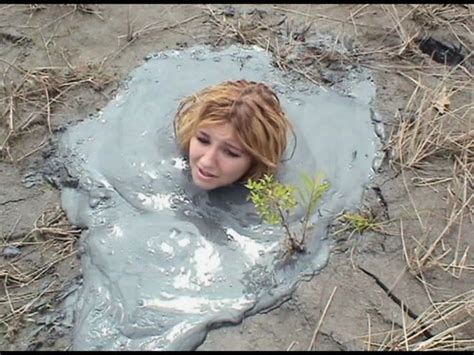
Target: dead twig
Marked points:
325	17
33	98
315	334
145	30
450	313
24	282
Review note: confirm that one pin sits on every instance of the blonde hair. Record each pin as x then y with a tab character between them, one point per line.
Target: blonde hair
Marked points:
254	112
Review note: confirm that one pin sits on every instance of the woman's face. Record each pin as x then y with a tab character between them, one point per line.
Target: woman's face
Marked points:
216	157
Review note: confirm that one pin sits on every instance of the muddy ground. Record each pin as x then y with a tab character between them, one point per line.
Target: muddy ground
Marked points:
401	279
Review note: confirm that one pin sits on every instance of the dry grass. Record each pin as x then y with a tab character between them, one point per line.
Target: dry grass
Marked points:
435	127
435	16
439	327
288	49
30	97
400	50
315	334
430	130
428	127
132	35
30	279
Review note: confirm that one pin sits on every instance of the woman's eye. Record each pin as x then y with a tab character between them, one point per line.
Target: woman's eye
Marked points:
203	140
231	153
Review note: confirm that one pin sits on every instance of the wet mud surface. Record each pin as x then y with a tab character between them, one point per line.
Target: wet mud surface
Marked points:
154	266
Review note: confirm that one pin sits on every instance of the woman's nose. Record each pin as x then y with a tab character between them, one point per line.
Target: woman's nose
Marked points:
210	156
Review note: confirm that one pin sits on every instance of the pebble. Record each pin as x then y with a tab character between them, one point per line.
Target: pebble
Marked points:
11	251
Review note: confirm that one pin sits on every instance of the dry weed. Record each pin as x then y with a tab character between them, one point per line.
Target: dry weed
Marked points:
31	96
432	16
431	128
428	128
439	327
287	44
29	280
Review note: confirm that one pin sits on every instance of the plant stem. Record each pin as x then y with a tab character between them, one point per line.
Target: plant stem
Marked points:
306	216
283	221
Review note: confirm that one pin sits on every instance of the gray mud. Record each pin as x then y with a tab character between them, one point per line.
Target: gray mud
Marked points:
163	261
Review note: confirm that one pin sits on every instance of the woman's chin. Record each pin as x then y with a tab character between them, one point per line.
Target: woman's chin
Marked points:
203	186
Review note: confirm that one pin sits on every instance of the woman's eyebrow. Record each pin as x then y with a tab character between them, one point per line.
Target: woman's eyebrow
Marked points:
230	145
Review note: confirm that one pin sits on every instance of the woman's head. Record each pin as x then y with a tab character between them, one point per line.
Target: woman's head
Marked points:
232	131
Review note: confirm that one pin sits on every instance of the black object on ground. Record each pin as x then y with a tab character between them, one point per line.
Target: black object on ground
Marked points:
441	52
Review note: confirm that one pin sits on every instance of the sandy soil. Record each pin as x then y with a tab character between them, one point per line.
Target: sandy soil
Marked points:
405	282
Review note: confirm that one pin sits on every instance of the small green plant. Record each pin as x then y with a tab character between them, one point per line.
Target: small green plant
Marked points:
275	202
359	222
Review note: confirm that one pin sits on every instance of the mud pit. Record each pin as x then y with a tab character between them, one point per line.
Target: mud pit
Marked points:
376	281
156	270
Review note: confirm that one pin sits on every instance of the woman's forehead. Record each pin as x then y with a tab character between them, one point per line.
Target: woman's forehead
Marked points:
222	131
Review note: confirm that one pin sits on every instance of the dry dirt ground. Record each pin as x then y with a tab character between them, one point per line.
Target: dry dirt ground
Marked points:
401	273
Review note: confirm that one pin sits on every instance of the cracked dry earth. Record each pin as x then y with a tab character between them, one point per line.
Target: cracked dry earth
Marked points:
405	285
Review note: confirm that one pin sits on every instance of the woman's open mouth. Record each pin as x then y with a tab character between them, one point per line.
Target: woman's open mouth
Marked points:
204	174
